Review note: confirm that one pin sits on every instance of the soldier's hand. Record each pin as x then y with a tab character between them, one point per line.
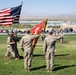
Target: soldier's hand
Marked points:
13	42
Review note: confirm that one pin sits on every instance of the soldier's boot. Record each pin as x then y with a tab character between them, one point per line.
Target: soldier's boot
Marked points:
16	58
29	69
48	70
51	69
26	70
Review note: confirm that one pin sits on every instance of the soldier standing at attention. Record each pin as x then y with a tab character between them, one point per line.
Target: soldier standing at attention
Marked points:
26	45
49	50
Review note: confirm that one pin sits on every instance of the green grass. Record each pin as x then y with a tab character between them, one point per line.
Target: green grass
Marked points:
65	59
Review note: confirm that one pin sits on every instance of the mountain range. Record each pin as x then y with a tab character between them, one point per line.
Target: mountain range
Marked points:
41	16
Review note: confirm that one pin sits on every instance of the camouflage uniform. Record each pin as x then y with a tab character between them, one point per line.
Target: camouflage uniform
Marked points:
49	50
9	48
26	44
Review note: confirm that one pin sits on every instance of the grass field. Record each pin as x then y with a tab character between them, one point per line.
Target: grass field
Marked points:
65	59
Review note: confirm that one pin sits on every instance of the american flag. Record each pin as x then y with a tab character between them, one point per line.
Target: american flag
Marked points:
9	16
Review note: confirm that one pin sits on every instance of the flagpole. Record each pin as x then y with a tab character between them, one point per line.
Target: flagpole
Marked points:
45	24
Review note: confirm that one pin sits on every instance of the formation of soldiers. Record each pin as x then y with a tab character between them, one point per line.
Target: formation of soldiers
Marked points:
26	41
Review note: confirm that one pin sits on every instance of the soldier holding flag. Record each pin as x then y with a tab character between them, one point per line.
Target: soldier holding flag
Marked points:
26	45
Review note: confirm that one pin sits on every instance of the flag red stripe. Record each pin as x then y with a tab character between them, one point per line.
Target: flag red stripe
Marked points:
7	20
1	18
5	10
8	17
4	14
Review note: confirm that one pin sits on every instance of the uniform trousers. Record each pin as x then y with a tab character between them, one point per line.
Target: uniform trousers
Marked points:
10	51
27	59
49	60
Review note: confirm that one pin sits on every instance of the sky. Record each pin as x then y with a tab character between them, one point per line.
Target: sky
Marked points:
42	7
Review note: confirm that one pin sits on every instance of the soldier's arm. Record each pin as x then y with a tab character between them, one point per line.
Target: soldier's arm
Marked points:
35	36
57	37
17	38
11	43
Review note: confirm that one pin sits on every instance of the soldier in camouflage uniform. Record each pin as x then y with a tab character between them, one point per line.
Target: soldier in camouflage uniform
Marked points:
26	45
49	50
9	46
